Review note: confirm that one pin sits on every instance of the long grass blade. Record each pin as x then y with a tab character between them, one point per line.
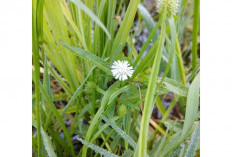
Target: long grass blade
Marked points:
92	15
125	26
192	105
195	33
142	145
48	144
195	139
57	115
97	149
89	56
120	132
175	87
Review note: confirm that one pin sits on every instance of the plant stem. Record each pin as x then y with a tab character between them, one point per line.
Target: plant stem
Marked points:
142	144
195	33
180	61
35	48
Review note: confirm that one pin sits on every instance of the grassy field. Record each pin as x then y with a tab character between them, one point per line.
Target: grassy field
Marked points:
86	103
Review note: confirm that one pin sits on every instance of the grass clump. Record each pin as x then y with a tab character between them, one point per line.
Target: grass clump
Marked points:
115	78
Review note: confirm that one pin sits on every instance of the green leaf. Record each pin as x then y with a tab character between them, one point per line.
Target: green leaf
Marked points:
128	153
161	144
92	15
175	87
102	129
95	119
151	90
97	149
195	32
48	144
88	56
57	115
192	105
46	140
125	26
120	132
181	13
150	23
171	144
72	24
171	44
195	139
77	92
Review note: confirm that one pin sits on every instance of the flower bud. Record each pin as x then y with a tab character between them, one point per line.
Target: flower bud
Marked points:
91	85
122	110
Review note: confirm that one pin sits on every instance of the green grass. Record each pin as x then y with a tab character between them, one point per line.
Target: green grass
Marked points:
76	99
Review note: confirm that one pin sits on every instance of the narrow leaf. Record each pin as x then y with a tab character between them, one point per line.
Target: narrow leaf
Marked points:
92	15
128	153
97	149
48	144
120	132
88	56
192	105
150	23
125	26
195	139
175	87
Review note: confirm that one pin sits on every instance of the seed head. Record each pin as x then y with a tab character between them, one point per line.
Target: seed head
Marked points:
172	6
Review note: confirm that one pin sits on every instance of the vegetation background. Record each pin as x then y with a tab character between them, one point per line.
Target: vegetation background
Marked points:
79	109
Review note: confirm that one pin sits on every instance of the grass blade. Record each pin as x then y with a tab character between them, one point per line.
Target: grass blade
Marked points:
89	56
96	148
108	98
195	32
92	15
48	144
150	23
175	87
181	14
57	115
104	102
128	153
36	28
195	139
142	145
77	92
125	26
192	105
120	132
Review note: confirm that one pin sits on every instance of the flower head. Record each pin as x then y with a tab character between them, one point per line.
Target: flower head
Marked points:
121	70
122	110
172	6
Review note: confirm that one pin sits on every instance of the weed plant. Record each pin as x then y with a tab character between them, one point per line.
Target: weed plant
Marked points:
82	108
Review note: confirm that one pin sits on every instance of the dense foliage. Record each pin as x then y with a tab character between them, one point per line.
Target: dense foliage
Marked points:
81	109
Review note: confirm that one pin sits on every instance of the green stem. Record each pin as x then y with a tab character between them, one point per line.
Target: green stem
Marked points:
93	101
35	48
195	33
142	145
180	61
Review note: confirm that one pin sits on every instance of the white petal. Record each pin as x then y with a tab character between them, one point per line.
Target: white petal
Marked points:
124	77
120	77
129	75
117	76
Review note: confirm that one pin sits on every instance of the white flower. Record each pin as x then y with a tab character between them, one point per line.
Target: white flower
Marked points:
121	69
